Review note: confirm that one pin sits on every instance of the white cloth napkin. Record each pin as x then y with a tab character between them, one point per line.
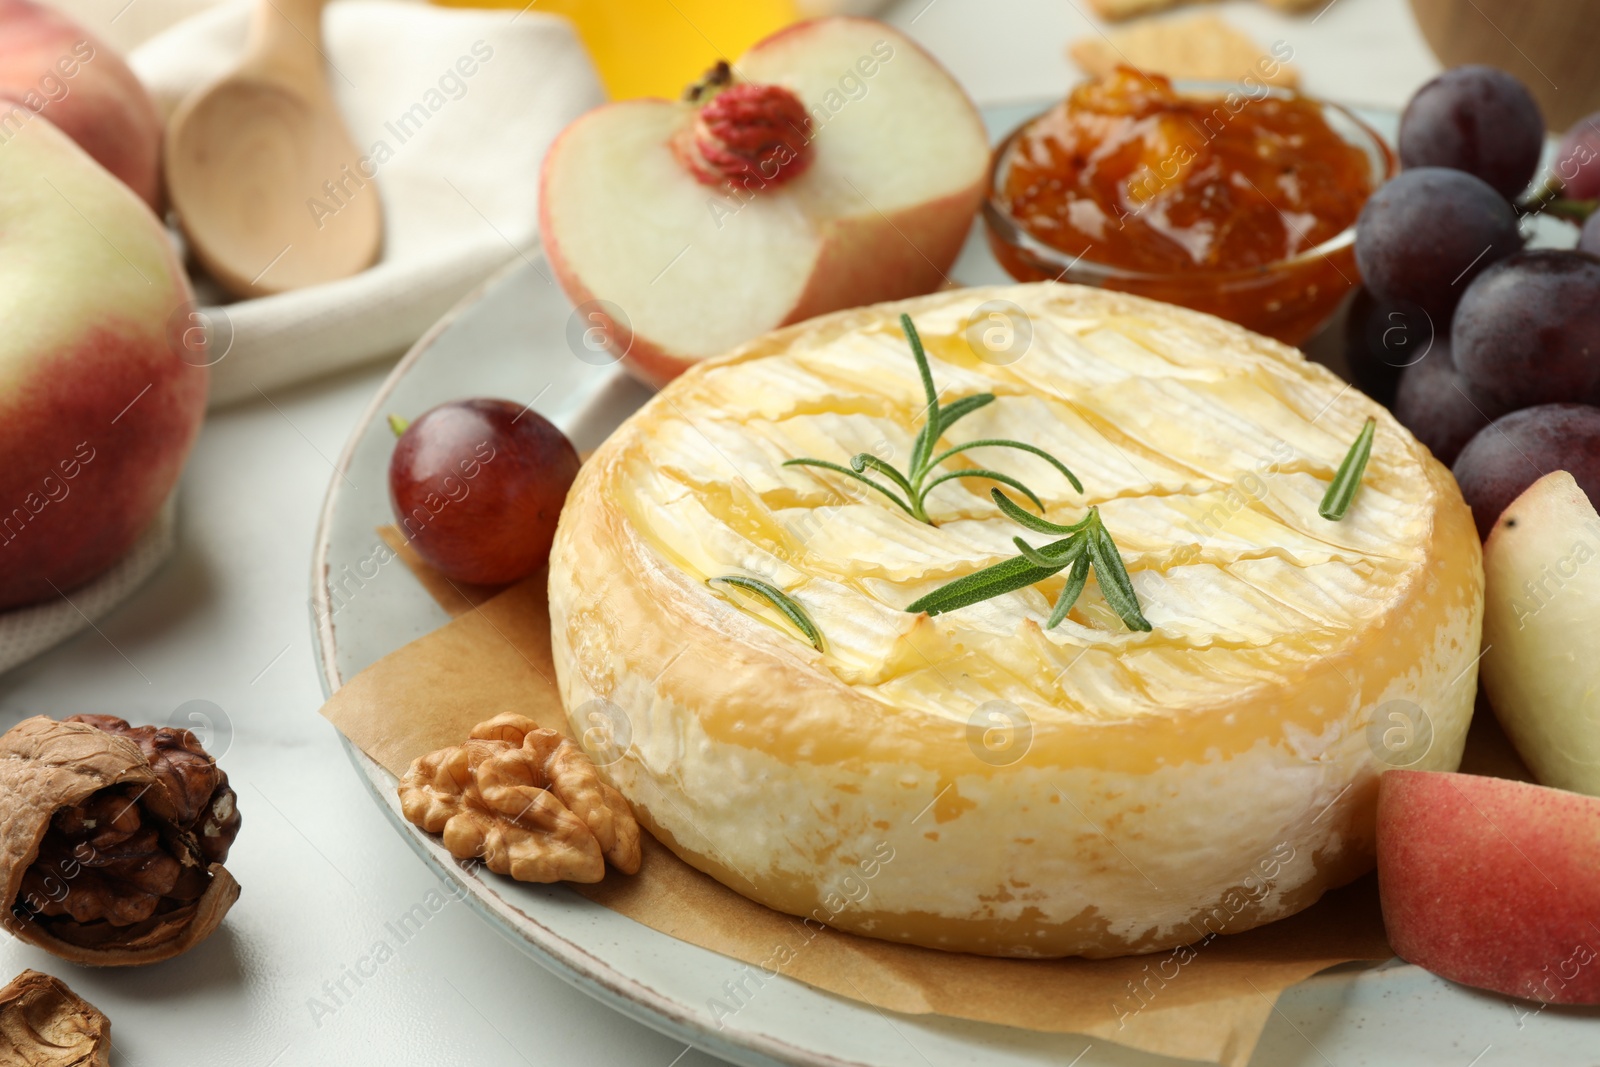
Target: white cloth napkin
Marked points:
460	197
26	632
460	187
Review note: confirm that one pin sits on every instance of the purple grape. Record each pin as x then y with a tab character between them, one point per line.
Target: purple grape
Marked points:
1437	404
1528	330
1475	119
1425	234
1518	449
1381	340
1578	160
1589	236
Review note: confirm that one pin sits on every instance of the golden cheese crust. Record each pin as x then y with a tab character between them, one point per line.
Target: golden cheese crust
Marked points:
972	781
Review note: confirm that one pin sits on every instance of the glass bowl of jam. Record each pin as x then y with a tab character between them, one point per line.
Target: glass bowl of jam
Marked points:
1237	201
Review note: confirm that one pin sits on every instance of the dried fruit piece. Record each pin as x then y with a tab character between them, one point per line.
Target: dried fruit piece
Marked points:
111	852
45	1024
526	801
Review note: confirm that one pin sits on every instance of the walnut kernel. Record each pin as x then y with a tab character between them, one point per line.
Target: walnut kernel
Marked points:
526	801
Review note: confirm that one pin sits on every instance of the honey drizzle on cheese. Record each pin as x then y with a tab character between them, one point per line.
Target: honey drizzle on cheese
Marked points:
1208	469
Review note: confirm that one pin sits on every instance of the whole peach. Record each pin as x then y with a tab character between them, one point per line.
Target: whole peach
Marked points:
97	409
51	66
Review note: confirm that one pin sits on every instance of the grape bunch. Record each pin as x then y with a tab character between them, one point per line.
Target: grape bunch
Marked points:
1488	352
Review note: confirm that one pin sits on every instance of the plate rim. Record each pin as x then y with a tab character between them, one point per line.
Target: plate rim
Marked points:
557	953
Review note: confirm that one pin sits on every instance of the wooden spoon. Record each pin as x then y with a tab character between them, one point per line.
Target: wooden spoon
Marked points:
266	182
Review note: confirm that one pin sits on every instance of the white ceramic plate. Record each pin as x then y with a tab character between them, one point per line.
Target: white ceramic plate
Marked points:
510	339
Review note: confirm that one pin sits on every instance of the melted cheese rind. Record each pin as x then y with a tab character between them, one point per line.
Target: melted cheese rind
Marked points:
1012	790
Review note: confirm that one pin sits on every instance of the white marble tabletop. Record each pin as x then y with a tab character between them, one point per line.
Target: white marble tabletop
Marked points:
323	873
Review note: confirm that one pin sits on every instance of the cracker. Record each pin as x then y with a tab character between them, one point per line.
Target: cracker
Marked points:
1119	10
1199	47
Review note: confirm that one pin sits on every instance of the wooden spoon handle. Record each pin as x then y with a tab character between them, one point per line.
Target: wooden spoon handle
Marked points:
286	37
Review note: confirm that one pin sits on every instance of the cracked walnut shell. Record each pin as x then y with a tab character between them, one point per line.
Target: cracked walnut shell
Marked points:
45	1024
526	801
111	853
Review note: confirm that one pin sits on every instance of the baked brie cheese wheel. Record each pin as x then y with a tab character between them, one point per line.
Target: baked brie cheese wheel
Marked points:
973	780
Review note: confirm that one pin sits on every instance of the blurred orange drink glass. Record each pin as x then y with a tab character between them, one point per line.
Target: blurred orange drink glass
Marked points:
657	47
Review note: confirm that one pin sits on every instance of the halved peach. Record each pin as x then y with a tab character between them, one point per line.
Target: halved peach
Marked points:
1541	615
1492	883
877	163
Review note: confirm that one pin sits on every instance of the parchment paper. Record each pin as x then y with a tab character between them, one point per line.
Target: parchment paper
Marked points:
1209	1001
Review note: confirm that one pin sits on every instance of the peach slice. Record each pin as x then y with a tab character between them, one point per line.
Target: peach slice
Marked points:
835	164
1492	883
1541	614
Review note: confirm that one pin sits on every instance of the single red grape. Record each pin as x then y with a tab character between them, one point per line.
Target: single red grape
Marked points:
1369	370
1382	339
477	487
1518	449
1528	329
1426	233
1578	160
1476	119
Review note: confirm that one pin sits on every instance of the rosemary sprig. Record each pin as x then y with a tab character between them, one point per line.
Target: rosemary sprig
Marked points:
915	484
779	599
1342	490
1087	544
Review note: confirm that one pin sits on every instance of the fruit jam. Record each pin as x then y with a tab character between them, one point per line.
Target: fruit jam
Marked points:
1204	200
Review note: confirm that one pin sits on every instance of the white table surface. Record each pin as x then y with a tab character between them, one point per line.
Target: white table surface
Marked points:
323	873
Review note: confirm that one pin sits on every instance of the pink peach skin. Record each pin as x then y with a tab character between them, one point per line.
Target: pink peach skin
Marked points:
1492	883
863	260
57	69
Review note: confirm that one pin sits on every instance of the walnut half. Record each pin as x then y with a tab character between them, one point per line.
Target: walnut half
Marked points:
112	848
526	801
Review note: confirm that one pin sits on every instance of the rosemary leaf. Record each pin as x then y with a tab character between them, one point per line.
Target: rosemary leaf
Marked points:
1000	442
992	581
1070	592
983	472
1074	550
921	447
1010	510
848	473
1034	556
1342	490
914	483
862	460
1088	544
923	369
928	436
960	409
1115	585
779	599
